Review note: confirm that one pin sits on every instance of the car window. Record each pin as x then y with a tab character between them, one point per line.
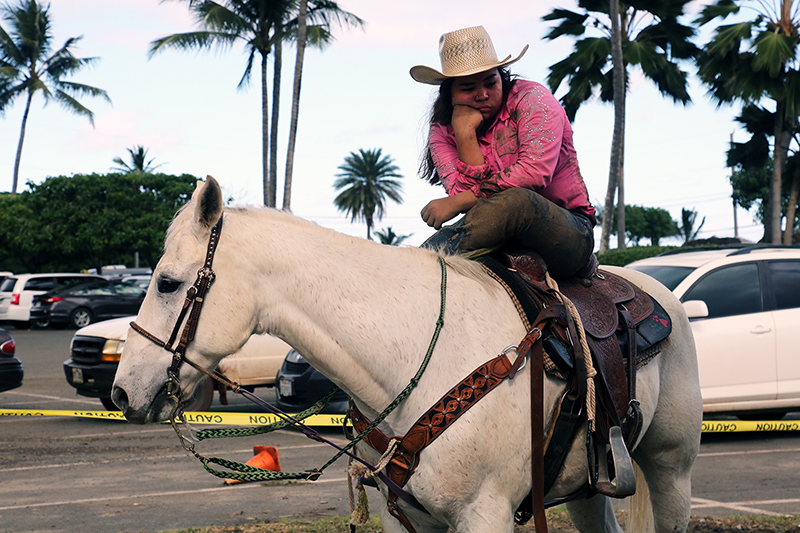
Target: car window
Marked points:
8	285
728	291
669	276
40	284
72	280
785	283
93	289
127	288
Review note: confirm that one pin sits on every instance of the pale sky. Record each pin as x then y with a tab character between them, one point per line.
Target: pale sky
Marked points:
184	107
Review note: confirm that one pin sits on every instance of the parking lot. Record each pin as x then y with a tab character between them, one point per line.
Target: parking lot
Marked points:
78	475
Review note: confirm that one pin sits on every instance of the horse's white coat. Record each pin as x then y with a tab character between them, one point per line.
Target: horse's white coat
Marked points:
363	314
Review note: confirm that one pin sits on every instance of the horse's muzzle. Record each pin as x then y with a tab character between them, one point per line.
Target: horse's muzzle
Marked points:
157	411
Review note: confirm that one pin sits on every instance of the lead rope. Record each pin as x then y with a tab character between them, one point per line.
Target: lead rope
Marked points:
359	511
587	356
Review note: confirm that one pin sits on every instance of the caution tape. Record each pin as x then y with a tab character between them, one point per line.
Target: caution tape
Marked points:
736	426
231	419
261	419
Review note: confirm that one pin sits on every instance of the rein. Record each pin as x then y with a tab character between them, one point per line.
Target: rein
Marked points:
193	305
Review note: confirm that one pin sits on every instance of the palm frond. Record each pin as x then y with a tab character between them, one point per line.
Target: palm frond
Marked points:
773	51
192	40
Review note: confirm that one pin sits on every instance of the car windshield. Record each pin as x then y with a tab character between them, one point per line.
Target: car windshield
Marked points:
669	276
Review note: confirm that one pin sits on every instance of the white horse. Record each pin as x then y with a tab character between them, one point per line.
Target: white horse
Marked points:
363	314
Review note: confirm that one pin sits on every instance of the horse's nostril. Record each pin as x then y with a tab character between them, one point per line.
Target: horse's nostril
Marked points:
120	398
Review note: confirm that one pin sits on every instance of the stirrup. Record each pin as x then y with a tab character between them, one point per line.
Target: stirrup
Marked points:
624	483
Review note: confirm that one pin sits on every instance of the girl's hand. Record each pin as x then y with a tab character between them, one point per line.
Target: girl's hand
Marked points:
439	211
466	119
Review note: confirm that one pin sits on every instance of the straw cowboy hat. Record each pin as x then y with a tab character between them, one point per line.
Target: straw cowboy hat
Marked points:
463	53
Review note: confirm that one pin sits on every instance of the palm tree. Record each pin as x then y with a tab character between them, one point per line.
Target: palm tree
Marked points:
752	61
365	184
260	25
29	65
755	167
138	163
687	229
298	73
389	237
650	37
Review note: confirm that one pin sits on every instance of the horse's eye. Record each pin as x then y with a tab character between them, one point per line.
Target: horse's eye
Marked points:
166	285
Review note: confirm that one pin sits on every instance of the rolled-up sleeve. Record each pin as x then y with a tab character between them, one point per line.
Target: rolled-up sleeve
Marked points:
456	175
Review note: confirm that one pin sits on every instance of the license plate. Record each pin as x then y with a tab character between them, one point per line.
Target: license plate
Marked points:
285	388
77	375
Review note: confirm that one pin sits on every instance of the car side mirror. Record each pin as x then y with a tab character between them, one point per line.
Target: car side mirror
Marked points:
695	309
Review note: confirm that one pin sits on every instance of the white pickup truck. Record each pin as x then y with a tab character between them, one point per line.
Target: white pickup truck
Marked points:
95	352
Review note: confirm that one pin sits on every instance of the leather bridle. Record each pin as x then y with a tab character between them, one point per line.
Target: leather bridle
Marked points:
193	304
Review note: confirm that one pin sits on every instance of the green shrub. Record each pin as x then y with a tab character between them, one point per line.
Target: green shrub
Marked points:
619	257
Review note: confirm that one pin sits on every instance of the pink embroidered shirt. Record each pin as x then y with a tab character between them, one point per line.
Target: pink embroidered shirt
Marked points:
528	145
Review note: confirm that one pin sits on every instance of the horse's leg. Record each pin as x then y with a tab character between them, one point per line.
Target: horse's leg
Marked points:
486	514
392	525
670	445
665	455
595	515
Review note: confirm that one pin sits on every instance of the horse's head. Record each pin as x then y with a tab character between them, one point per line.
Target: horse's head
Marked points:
140	387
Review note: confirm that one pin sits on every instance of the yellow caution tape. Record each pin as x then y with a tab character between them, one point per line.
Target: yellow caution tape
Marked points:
734	426
232	419
262	419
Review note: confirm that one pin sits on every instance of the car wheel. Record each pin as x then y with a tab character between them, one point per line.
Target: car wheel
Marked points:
109	405
42	323
202	396
80	317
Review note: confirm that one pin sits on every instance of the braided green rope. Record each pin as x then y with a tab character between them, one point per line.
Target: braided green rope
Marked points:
244	472
280	424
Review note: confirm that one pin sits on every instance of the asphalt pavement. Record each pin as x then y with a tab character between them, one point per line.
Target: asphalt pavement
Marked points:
64	474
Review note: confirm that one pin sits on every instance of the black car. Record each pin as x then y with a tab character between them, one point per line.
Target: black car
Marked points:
299	385
81	304
10	367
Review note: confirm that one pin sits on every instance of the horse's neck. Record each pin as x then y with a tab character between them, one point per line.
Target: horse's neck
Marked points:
361	313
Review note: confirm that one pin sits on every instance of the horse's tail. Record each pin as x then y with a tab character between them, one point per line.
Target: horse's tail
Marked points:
640	516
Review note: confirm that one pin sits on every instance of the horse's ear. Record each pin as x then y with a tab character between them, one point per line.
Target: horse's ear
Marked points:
208	203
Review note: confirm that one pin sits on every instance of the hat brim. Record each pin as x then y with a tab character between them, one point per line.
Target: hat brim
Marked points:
431	76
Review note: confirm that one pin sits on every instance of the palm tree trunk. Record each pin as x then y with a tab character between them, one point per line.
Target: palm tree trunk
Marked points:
276	98
265	130
298	75
19	145
791	209
615	169
781	149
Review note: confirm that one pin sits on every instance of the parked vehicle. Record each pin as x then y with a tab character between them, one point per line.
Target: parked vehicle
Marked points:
744	308
96	349
11	372
83	303
17	292
300	385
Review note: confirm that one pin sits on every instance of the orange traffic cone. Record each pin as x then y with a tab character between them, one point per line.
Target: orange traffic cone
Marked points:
266	457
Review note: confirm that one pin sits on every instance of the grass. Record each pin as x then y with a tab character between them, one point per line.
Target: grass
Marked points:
557	522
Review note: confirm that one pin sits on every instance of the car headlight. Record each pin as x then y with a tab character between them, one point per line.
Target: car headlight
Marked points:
294	357
112	350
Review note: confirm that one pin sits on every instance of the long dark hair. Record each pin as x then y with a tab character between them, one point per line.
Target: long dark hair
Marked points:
442	113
